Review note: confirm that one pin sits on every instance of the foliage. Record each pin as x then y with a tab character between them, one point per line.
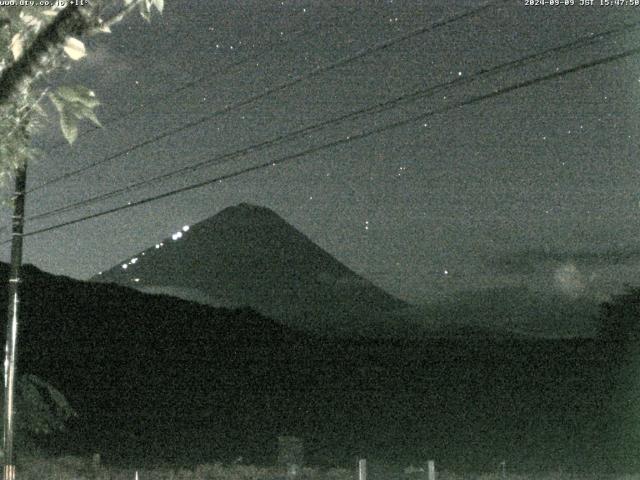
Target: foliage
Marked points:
74	104
69	468
79	469
41	409
34	43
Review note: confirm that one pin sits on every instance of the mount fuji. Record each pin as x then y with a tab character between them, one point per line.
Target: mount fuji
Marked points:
248	256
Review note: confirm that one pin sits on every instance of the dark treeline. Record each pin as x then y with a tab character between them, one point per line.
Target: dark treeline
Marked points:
160	380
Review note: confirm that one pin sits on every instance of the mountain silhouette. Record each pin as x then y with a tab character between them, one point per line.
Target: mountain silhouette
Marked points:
248	256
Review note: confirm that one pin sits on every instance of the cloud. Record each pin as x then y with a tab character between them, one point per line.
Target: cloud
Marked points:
569	280
513	309
534	260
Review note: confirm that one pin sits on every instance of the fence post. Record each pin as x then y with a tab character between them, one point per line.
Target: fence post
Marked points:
362	469
431	466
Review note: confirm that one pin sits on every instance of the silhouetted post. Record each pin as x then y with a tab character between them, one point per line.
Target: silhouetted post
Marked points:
362	469
12	324
431	467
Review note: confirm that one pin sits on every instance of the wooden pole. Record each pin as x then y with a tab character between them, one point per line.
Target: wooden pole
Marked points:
12	325
431	465
362	469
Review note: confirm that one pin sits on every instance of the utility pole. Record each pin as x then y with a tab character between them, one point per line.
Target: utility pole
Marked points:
9	472
69	20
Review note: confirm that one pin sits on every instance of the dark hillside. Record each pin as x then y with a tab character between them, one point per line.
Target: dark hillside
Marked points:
162	379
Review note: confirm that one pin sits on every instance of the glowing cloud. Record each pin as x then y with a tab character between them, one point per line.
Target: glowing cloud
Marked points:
569	280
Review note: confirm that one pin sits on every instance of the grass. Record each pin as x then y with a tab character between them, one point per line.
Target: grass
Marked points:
76	468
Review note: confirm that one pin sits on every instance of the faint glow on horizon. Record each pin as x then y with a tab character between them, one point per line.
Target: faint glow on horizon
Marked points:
569	280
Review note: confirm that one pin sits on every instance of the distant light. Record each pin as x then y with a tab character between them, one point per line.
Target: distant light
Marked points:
136	279
176	235
157	245
162	244
99	273
185	228
446	272
134	260
124	265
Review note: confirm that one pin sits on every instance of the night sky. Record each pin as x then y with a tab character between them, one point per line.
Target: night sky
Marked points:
533	190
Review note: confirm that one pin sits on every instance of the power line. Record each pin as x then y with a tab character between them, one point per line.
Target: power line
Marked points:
269	91
377	108
316	149
200	80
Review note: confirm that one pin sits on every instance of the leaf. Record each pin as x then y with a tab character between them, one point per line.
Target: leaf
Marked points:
74	104
80	111
69	126
145	10
17	45
74	48
78	94
57	102
30	20
159	4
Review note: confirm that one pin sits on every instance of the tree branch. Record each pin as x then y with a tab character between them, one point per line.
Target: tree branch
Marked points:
118	16
70	21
